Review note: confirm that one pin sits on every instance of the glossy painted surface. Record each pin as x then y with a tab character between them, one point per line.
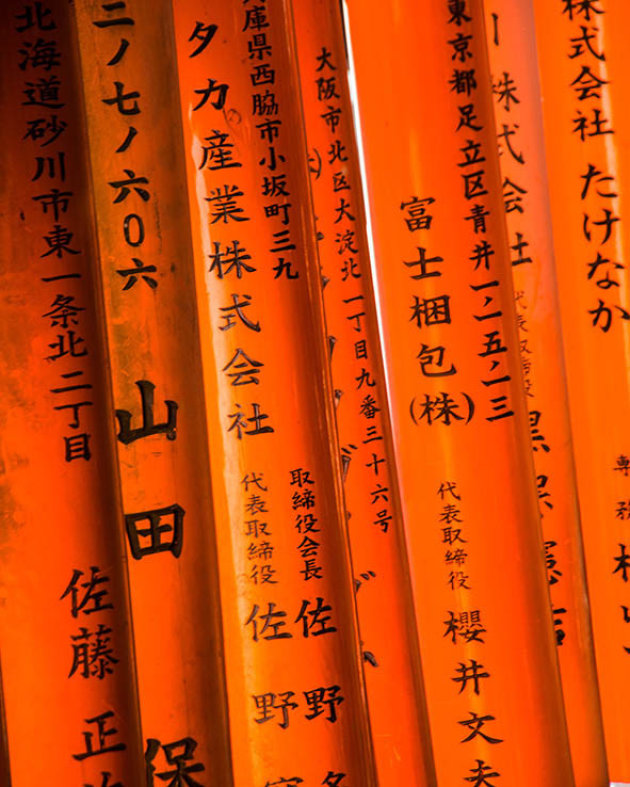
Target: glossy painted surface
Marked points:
586	179
65	626
458	406
296	697
513	61
138	176
392	668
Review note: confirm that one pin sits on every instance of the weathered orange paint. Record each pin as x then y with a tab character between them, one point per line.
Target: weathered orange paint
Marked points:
60	511
153	336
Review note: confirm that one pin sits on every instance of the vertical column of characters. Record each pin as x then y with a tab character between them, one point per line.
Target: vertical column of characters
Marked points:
296	700
130	92
458	407
584	148
390	649
512	51
67	660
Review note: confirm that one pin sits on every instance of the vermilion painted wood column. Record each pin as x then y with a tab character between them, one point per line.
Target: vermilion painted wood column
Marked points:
137	163
583	56
458	406
391	660
68	668
297	709
512	50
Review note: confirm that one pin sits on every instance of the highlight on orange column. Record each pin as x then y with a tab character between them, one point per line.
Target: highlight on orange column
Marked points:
400	733
583	64
458	405
297	706
512	51
70	697
137	161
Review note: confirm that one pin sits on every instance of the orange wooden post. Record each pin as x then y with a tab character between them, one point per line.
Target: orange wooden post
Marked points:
583	65
297	709
458	406
512	50
70	697
392	667
137	161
